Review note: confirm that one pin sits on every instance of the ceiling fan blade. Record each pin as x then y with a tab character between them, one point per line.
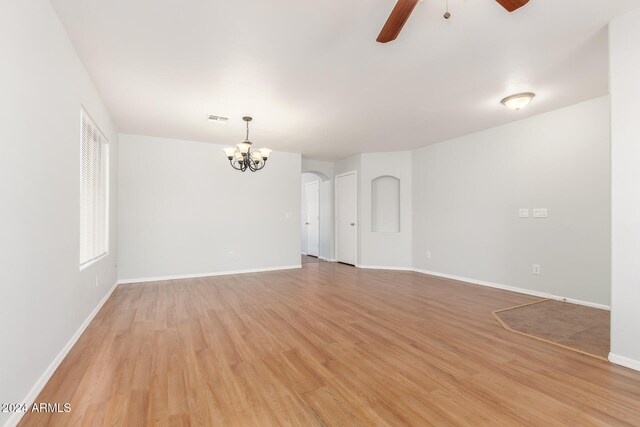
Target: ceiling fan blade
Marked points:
512	5
396	20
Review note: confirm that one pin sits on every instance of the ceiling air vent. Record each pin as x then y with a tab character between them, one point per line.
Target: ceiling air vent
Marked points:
218	119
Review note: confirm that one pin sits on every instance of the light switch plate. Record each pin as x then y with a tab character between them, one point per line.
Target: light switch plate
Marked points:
540	213
524	212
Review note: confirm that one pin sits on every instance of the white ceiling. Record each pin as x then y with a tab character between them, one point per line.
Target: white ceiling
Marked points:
315	80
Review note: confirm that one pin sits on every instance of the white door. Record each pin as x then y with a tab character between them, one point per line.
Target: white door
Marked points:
346	213
312	196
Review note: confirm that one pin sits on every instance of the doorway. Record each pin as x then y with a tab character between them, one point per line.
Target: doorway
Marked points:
314	231
346	214
312	220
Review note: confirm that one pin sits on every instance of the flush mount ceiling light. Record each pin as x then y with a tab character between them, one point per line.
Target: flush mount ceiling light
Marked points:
518	101
242	158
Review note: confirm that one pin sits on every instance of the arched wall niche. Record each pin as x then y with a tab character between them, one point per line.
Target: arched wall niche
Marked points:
385	204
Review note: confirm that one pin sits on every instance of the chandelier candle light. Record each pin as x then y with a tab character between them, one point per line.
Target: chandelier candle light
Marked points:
242	158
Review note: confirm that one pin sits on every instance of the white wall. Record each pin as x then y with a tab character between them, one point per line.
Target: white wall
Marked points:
183	209
624	39
45	298
467	193
321	168
386	249
349	164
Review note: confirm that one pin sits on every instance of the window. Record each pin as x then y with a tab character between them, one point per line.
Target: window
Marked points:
94	203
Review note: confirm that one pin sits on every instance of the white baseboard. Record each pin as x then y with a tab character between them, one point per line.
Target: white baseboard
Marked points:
624	361
384	267
514	289
327	259
198	275
15	417
491	285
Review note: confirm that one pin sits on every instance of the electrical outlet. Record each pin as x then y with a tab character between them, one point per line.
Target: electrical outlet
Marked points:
536	269
540	213
428	254
232	254
524	212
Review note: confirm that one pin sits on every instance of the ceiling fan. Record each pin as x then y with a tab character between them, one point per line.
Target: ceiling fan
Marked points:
403	9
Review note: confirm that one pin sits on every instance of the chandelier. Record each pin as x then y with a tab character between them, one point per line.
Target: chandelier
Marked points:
242	158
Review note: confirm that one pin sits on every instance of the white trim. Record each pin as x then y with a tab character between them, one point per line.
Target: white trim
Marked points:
217	273
92	261
491	285
327	259
15	417
335	213
624	361
384	267
514	289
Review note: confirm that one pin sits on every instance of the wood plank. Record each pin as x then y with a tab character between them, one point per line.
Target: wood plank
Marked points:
326	345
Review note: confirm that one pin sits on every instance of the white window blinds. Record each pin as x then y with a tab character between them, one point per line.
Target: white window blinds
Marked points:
94	171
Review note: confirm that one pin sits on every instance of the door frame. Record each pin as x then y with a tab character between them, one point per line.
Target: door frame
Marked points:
306	211
335	218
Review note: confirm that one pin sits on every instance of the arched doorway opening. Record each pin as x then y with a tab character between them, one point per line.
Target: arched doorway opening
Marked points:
313	224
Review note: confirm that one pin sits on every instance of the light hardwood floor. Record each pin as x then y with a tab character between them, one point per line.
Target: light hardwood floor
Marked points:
326	345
